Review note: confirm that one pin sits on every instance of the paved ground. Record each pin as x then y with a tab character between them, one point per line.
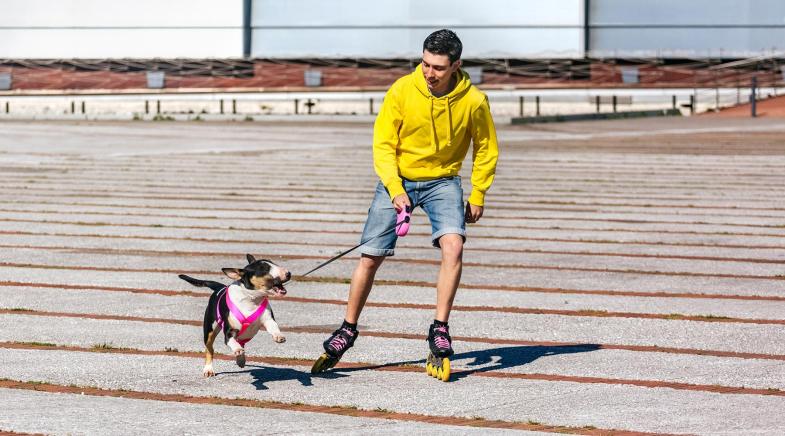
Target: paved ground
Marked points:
628	277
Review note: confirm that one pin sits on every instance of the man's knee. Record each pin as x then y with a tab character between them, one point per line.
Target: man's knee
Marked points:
371	263
452	247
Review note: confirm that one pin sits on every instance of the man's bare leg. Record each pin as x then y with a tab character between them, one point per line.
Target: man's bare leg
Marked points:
362	281
449	274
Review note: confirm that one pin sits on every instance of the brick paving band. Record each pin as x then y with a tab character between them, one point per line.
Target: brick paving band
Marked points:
334	410
408	368
397	335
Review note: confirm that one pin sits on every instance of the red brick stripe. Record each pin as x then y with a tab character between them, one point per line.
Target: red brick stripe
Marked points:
457	373
396	335
332	410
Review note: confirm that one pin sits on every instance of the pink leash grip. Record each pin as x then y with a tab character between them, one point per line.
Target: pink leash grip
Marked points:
402	222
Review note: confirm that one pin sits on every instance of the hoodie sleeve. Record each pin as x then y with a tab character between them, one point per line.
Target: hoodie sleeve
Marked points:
485	152
385	142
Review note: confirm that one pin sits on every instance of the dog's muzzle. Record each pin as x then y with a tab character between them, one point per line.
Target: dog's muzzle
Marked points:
278	284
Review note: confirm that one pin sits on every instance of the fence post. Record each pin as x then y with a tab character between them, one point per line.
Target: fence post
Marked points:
692	104
673	101
234	106
370	105
158	106
83	107
296	103
717	99
146	107
222	106
614	103
73	107
597	102
520	105
754	97
537	104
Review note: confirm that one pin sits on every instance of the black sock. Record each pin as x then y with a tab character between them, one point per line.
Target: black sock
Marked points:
438	323
351	326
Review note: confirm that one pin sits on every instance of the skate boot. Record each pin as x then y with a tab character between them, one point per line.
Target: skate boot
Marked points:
334	347
438	362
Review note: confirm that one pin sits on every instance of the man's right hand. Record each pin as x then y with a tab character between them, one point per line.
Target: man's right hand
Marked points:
401	201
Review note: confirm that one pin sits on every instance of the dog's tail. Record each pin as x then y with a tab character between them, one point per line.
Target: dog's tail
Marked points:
215	286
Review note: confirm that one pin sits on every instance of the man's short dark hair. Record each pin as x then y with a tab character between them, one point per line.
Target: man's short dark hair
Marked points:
444	42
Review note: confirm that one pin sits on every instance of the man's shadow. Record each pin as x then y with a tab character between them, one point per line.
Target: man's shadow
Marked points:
493	359
496	359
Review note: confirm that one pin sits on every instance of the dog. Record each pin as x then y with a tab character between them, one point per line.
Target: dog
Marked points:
241	309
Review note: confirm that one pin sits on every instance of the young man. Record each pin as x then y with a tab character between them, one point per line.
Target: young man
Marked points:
420	139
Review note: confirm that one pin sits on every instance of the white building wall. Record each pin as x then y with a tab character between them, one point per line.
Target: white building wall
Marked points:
687	28
397	28
36	29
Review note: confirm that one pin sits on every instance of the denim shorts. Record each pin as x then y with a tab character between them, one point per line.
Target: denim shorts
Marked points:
441	199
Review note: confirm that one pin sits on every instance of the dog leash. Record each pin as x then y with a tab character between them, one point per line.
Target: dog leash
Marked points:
401	227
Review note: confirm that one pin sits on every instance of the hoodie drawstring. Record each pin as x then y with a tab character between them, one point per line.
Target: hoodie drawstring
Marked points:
434	135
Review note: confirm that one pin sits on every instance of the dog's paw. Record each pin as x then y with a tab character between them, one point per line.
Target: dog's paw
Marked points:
208	371
279	338
239	357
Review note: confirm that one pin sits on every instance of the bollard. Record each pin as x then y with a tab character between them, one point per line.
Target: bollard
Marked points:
520	106
537	105
83	107
73	105
234	106
614	103
146	107
370	106
158	106
692	104
296	103
7	107
597	102
673	102
222	107
754	97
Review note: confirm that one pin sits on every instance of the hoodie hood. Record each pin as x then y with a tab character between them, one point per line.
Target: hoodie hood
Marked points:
441	107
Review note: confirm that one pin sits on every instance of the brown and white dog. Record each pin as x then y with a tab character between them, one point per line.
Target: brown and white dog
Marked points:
241	309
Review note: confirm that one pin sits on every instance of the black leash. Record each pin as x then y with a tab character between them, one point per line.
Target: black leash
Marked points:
394	227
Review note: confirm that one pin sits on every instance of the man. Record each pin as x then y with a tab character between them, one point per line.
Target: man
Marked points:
421	137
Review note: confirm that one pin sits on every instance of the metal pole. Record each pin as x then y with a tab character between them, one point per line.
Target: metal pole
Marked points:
753	97
597	102
158	106
692	104
614	103
73	105
537	104
222	107
520	106
83	109
673	101
296	103
7	107
234	106
717	99
146	107
247	30
370	106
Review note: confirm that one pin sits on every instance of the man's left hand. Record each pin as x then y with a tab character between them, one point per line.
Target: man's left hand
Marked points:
473	213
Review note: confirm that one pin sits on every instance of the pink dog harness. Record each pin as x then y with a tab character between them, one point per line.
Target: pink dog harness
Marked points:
245	321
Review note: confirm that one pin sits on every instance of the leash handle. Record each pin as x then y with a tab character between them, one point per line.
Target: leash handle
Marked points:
402	221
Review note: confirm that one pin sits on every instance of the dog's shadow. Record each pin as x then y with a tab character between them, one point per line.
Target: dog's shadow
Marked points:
265	374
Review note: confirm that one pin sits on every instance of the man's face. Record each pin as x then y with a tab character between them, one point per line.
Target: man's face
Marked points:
437	71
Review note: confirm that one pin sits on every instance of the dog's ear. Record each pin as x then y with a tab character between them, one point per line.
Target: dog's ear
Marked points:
233	273
250	258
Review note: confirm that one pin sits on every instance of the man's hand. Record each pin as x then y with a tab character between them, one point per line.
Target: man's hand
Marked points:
473	213
401	201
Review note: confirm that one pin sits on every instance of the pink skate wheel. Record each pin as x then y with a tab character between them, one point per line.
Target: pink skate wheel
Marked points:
402	222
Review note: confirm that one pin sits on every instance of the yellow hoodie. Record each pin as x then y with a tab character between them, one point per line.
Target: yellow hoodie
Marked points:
421	137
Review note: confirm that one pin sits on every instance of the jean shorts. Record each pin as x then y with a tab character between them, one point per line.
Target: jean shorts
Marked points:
441	199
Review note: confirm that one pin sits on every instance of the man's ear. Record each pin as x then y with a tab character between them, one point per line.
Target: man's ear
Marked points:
457	64
233	273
